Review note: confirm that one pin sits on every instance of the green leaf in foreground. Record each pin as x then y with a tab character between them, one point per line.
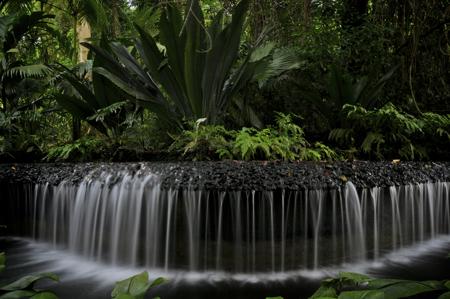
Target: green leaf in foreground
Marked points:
407	289
445	296
28	281
2	261
369	294
18	294
45	295
354	277
134	287
324	292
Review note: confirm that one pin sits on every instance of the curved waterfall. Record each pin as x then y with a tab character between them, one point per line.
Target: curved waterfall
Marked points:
131	220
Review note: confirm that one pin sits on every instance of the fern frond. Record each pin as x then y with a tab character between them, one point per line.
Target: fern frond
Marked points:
371	139
29	71
341	135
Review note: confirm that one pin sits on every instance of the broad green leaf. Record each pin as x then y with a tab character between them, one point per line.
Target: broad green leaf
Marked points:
157	282
28	281
44	295
106	92
355	277
381	283
368	294
406	289
139	285
2	261
445	296
324	291
18	294
219	61
447	284
134	287
194	55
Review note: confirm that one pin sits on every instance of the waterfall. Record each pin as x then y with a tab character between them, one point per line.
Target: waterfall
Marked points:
129	219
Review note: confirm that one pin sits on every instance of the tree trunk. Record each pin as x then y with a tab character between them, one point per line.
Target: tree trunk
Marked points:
307	13
83	34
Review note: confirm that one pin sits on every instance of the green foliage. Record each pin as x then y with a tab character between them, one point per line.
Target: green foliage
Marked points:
95	100
343	89
199	70
355	286
134	287
83	149
18	132
2	261
285	141
382	132
204	142
24	287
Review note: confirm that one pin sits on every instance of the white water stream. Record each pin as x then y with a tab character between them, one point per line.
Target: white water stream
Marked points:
130	222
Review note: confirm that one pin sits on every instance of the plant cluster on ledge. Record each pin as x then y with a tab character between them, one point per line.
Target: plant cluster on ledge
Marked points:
284	141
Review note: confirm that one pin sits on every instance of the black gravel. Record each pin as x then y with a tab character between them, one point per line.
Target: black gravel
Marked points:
238	175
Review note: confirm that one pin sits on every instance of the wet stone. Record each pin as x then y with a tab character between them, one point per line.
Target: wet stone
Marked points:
238	175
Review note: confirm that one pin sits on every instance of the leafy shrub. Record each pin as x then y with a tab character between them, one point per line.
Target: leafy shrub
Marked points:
19	132
285	141
204	141
388	132
200	70
82	149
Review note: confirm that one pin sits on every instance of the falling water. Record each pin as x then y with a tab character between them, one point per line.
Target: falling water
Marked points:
131	220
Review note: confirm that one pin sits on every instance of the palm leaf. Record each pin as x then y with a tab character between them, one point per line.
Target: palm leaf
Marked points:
27	71
281	61
23	24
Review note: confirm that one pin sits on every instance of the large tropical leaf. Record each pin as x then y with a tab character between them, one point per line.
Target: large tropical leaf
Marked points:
219	61
22	25
199	71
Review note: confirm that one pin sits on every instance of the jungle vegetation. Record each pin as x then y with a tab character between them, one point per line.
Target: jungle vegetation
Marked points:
85	80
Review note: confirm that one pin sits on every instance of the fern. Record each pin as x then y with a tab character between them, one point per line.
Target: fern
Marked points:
285	141
29	71
326	153
203	141
82	149
101	113
342	135
373	138
436	124
386	130
247	142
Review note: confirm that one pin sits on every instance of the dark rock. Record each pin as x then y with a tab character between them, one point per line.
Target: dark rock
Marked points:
238	175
